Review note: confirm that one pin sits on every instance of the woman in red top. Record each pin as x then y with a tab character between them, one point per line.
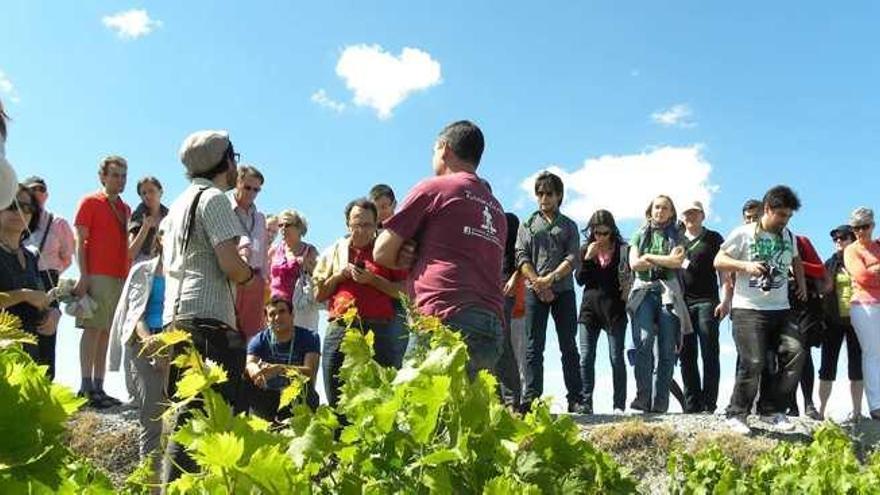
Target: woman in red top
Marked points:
347	276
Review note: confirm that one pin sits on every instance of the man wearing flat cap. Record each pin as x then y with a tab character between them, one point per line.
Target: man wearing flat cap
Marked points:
203	268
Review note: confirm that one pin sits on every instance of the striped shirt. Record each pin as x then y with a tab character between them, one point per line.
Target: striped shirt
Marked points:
203	288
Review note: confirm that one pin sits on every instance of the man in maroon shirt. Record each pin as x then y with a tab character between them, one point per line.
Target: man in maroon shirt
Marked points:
459	229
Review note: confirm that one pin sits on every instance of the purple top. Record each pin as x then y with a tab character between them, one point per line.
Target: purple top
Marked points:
285	271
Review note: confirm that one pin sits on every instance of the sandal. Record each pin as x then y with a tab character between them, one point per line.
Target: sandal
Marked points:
99	400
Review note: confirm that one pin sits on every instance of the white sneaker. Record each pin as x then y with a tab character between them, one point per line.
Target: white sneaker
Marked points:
737	425
781	423
618	412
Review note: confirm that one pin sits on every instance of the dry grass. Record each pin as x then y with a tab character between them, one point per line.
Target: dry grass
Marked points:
742	450
640	446
114	449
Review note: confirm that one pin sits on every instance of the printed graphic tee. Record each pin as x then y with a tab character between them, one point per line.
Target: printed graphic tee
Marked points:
461	231
750	243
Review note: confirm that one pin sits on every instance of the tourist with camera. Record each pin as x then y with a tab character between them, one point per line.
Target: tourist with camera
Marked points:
761	254
347	276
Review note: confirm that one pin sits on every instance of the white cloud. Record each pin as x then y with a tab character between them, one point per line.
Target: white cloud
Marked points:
7	88
320	97
679	115
381	80
626	184
131	24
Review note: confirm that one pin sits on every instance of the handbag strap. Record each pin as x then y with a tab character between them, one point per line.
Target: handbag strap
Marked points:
187	230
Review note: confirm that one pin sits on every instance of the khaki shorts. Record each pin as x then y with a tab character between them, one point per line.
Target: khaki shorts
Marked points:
105	291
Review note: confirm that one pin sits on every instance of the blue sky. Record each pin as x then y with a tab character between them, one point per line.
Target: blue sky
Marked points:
715	102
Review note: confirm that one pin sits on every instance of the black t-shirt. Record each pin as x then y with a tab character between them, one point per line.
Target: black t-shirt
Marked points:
14	277
700	277
137	219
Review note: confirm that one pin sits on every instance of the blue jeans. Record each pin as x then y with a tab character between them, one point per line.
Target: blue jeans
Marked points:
384	348
701	395
616	341
482	334
654	321
565	320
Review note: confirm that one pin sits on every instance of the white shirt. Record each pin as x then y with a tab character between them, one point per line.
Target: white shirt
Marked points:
750	243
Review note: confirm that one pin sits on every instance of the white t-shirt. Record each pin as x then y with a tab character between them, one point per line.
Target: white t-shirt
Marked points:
750	243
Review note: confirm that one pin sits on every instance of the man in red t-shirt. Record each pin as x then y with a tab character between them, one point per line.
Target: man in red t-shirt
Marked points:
452	231
347	276
102	254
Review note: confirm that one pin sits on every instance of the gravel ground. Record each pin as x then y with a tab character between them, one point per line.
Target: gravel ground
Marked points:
642	442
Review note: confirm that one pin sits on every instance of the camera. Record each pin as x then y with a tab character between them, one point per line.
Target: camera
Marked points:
765	282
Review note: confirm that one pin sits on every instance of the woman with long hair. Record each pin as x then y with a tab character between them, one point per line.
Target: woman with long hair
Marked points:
604	273
146	218
656	303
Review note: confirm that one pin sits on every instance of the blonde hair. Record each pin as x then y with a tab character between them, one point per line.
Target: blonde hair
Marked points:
295	219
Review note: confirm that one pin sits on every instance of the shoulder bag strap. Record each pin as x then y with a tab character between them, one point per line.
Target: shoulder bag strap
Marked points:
187	235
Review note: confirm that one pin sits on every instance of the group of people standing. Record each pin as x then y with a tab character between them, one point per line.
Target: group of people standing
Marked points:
209	264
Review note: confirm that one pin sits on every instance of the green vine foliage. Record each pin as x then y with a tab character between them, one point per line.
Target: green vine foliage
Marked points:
33	414
424	429
826	465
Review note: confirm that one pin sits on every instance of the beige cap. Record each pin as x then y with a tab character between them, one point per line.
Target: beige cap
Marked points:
202	150
694	205
8	183
861	216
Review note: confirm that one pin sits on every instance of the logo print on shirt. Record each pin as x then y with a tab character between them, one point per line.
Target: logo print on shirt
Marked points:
488	224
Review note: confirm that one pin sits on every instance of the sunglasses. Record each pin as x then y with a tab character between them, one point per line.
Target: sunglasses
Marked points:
22	206
862	227
602	233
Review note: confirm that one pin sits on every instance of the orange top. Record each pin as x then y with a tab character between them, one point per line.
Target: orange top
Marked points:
107	244
863	264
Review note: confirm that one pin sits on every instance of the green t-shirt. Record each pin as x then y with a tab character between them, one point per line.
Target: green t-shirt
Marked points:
658	245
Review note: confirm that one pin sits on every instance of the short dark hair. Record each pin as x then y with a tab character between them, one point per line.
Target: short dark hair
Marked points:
551	180
750	205
781	197
148	180
104	166
362	203
279	300
382	191
465	139
250	171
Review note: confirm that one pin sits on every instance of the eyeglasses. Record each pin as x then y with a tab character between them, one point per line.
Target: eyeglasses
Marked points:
38	188
252	188
23	206
236	157
862	227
